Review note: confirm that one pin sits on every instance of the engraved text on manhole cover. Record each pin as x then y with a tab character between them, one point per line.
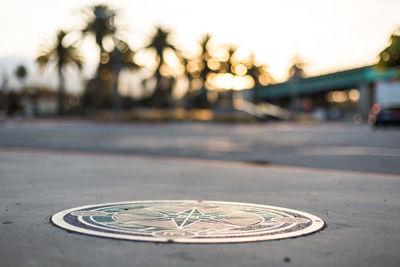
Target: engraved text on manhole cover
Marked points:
187	221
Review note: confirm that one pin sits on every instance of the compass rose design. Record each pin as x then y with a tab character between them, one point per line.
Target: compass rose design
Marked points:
188	221
194	218
191	216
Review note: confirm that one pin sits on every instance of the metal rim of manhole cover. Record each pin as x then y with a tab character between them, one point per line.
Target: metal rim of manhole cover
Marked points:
188	221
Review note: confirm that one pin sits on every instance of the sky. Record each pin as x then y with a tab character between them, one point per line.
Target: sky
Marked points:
327	35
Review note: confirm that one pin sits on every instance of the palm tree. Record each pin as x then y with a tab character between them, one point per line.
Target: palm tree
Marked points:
159	43
205	56
228	65
197	68
390	56
100	24
121	58
21	74
296	71
189	75
62	56
185	61
259	73
5	93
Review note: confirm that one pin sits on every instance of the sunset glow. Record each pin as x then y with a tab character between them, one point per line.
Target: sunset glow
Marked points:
328	35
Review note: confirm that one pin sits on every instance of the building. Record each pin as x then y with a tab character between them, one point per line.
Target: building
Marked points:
334	95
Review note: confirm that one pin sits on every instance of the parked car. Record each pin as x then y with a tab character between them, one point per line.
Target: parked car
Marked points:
384	115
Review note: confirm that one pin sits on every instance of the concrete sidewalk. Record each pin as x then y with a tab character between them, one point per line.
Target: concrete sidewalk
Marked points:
362	210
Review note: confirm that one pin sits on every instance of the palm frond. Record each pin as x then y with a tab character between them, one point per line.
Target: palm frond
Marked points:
60	54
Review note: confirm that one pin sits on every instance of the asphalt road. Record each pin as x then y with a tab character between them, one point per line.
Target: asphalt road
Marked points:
345	174
327	145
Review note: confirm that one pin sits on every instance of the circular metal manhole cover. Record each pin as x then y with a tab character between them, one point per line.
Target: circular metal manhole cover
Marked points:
188	221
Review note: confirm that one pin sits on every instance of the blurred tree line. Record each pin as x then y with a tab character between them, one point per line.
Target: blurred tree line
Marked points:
102	92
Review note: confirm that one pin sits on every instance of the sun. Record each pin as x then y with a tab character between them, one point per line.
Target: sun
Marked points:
228	81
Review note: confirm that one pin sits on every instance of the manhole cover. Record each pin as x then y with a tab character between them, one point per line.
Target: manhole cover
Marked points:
188	221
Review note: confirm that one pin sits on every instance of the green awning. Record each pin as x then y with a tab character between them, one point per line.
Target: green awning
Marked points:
342	80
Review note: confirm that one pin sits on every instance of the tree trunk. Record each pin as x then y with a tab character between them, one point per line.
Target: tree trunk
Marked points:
61	92
98	90
158	92
116	65
98	85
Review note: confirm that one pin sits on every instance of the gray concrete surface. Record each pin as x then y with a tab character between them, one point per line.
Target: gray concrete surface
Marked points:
362	210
